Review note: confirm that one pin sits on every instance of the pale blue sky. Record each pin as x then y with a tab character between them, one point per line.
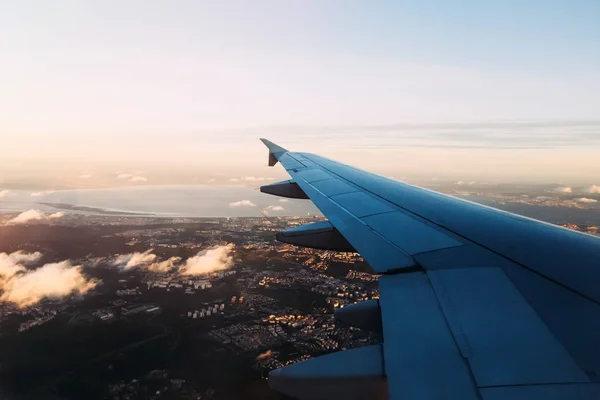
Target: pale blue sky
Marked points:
133	80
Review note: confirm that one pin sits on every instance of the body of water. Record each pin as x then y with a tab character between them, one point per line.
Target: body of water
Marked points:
193	201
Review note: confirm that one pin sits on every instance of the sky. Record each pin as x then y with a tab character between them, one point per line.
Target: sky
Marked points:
499	90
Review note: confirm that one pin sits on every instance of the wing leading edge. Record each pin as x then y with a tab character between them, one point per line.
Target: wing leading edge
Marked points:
475	302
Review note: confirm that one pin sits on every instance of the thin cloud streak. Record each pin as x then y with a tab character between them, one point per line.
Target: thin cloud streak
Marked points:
586	200
41	193
563	189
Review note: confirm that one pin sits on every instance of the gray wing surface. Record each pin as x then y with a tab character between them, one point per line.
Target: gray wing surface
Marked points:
475	303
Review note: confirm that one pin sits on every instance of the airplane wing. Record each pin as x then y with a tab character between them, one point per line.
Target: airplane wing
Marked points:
475	303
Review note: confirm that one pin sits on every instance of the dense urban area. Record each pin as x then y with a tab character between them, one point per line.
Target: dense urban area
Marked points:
145	325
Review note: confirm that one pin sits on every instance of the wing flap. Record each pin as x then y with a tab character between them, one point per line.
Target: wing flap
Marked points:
419	350
505	342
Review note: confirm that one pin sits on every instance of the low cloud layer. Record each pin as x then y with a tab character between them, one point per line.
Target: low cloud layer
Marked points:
585	200
34	215
563	189
6	193
25	287
592	189
274	208
210	260
242	203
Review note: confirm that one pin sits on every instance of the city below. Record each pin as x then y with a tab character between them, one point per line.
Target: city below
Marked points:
170	308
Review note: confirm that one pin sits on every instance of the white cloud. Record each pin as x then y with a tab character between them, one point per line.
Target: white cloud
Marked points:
133	260
586	200
163	266
85	176
242	203
6	193
132	177
250	179
283	200
55	280
41	193
212	180
563	189
275	208
11	264
592	189
210	260
465	182
24	258
255	178
145	260
33	215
